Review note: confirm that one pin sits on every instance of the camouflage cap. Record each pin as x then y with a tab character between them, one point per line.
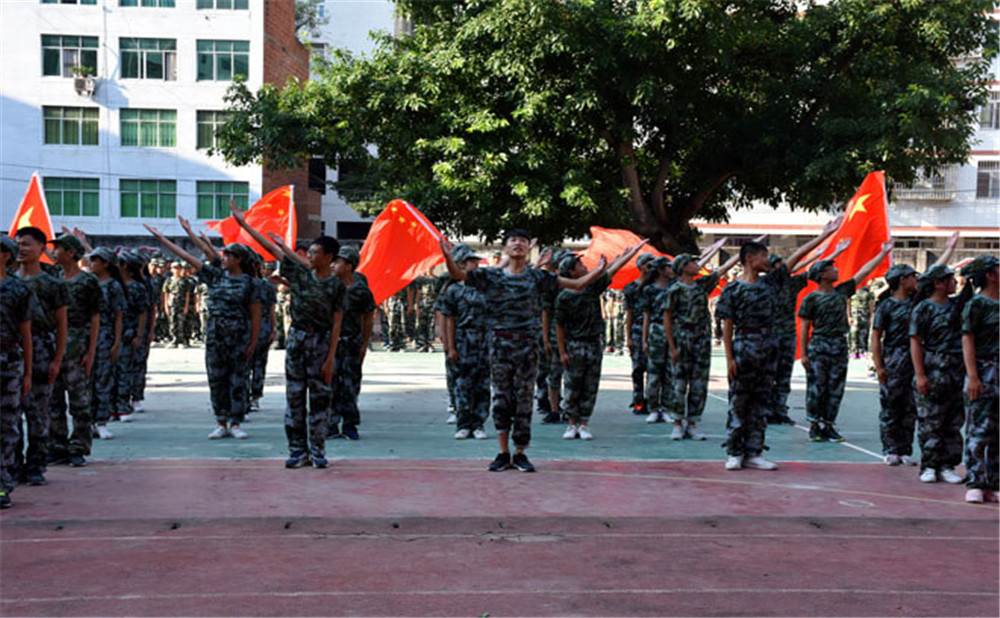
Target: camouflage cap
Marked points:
70	243
177	264
682	260
898	271
643	259
239	250
462	252
936	273
773	259
351	255
567	263
103	253
816	270
130	257
660	262
9	244
982	264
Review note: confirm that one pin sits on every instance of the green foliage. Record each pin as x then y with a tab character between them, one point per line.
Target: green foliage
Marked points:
561	114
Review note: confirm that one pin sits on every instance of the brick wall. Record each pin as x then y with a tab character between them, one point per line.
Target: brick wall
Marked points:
285	56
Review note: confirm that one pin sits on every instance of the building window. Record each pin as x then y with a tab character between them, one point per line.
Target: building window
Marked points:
152	199
165	4
213	198
149	58
989	114
208	123
235	5
156	128
73	197
988	180
69	1
70	125
61	54
221	60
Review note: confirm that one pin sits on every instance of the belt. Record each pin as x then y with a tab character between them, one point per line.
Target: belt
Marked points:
754	331
513	335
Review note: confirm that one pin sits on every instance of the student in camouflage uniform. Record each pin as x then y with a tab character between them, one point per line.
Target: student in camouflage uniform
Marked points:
141	359
268	297
580	337
281	316
425	299
981	352
396	305
83	316
549	362
133	326
161	275
634	314
104	265
410	317
355	332
823	342
317	311
196	321
48	342
936	351
17	306
180	301
464	310
659	380
450	368
513	298
862	306
608	310
687	327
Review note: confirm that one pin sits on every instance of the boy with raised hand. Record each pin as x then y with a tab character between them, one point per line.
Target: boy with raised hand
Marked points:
83	316
317	310
634	314
355	331
823	347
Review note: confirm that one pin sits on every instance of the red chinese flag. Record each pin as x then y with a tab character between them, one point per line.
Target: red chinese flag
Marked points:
402	244
275	212
866	223
33	212
611	244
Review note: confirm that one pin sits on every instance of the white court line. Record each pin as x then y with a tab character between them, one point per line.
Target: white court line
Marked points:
806	429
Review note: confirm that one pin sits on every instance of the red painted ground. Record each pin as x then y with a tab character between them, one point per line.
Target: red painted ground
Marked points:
447	538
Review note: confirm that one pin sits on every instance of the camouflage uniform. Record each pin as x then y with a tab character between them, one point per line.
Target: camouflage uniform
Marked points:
659	372
137	304
102	400
981	318
898	415
181	291
550	364
410	316
861	316
313	303
514	304
467	307
633	301
450	369
621	341
940	413
786	340
397	320
347	379
751	307
17	306
51	294
161	330
425	311
281	317
85	300
268	297
579	313
828	355
692	331
141	358
200	317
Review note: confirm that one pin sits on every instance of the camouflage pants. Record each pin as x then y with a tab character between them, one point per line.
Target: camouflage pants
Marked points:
397	324
755	357
619	332
35	409
179	326
659	374
279	327
778	397
161	331
102	378
140	364
860	333
897	418
11	376
472	378
982	437
258	365
611	332
124	370
410	322
346	383
228	372
691	371
72	385
582	378
542	404
941	412
553	367
383	317
449	374
639	363
425	325
513	364
825	378
304	358
196	324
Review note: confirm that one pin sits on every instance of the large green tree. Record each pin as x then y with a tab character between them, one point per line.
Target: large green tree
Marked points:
645	114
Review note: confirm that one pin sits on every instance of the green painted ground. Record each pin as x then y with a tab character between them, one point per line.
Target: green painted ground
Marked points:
403	405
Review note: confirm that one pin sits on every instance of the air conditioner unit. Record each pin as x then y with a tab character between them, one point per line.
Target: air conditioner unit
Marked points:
85	86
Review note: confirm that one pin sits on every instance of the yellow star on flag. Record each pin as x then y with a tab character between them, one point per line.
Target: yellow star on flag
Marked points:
859	206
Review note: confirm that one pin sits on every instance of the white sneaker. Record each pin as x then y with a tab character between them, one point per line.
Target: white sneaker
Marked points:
104	433
677	433
892	460
452	419
653	417
137	406
735	462
462	434
974	495
948	475
218	432
928	475
759	463
479	433
907	460
585	433
691	431
570	433
126	418
237	432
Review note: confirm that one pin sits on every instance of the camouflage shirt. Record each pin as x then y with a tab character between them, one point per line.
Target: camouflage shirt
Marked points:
752	305
933	323
359	301
892	317
688	304
85	299
313	301
981	317
229	297
514	302
579	313
51	294
788	299
633	300
828	310
158	281
179	288
113	302
652	302
136	305
465	304
861	304
428	287
17	306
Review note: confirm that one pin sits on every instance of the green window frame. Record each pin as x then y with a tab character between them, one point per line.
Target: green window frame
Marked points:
74	126
150	128
222	60
69	1
163	4
214	196
208	124
149	199
148	58
60	53
232	5
72	197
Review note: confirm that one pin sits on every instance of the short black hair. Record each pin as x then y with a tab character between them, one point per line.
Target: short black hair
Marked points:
33	232
329	244
517	232
751	248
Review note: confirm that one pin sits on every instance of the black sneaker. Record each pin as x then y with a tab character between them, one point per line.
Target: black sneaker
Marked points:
830	433
816	433
77	461
318	460
502	462
297	459
334	433
351	432
4	499
56	458
35	478
521	463
552	418
783	419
